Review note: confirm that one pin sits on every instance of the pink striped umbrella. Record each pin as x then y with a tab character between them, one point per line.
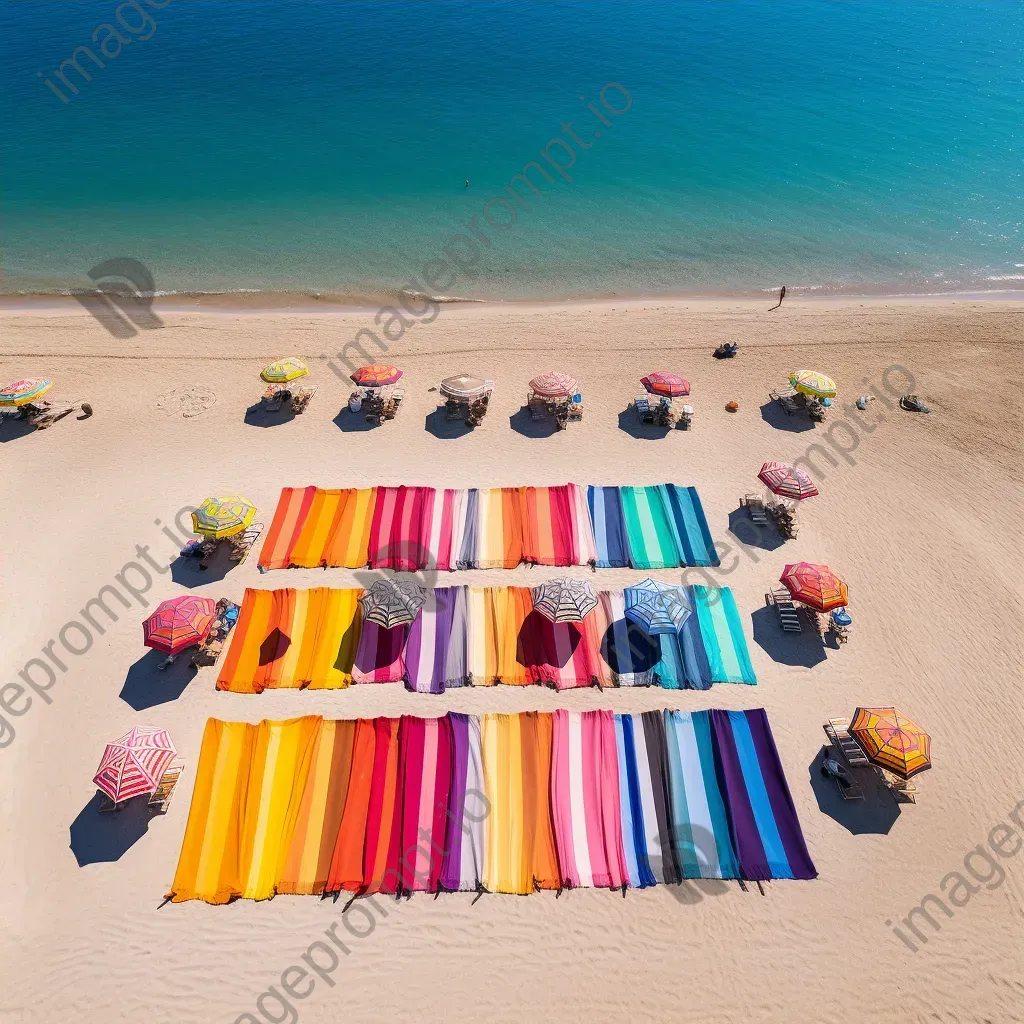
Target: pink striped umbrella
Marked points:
134	764
790	482
553	385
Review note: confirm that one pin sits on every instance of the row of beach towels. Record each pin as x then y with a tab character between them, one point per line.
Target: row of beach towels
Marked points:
415	528
503	803
477	636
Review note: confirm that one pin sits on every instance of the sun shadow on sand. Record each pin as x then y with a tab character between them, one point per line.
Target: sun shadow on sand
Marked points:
748	533
774	415
186	571
146	685
803	649
630	423
523	423
259	415
12	429
352	422
99	837
874	815
445	429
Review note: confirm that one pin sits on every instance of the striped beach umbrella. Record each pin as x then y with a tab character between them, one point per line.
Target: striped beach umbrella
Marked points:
179	623
21	392
379	375
657	607
391	603
284	370
815	585
564	599
670	385
813	383
892	741
464	387
134	764
223	517
554	385
782	478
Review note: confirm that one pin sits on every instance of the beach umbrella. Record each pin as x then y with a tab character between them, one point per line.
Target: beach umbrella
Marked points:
223	517
179	623
391	603
657	607
892	741
782	478
564	599
815	585
134	764
464	387
813	383
670	385
554	385
284	370
379	375
21	392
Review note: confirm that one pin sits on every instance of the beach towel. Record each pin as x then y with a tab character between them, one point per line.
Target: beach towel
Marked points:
400	528
293	638
611	544
506	802
631	657
379	654
462	868
585	799
715	638
435	651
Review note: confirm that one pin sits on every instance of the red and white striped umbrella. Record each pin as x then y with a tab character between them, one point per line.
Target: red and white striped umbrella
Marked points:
554	385
790	482
134	764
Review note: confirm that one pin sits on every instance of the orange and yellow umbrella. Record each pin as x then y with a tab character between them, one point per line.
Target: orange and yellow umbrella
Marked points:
815	585
379	375
892	741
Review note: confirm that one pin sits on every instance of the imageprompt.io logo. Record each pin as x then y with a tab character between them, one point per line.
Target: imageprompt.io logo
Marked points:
122	301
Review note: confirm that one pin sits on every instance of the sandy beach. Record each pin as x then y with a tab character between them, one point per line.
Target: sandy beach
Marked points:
919	513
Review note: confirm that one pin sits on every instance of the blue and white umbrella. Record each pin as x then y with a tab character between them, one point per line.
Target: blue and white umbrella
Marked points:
657	607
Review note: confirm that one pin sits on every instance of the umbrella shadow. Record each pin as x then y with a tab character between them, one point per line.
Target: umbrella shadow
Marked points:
185	569
874	815
99	837
260	415
804	649
12	429
631	424
146	685
538	641
522	422
445	429
644	650
750	535
274	647
775	416
353	422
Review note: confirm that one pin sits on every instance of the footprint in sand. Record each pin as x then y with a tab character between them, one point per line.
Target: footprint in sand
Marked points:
188	401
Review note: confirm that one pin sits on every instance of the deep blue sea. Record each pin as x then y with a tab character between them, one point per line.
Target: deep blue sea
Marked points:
323	146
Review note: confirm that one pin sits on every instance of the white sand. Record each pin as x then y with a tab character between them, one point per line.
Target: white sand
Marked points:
924	523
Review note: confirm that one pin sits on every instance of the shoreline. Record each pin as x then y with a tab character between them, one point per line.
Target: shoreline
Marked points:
294	304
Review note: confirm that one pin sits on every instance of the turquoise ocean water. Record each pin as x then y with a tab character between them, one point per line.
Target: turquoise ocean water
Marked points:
277	146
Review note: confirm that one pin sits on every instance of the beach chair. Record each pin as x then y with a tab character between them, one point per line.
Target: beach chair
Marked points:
574	409
835	766
302	396
642	404
754	504
903	790
813	620
242	543
685	418
838	732
785	397
453	410
789	620
160	798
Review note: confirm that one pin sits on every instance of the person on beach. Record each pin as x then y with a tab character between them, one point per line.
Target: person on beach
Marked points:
467	183
782	295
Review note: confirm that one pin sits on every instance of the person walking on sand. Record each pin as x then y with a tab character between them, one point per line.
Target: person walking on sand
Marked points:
782	295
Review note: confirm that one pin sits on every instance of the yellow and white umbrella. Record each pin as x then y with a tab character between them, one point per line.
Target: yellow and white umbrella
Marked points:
284	370
223	517
813	383
21	392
